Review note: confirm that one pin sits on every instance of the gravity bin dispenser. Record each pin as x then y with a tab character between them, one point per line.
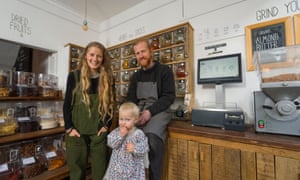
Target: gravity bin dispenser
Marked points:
277	105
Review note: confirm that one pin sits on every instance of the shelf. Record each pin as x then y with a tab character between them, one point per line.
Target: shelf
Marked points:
30	98
55	174
30	135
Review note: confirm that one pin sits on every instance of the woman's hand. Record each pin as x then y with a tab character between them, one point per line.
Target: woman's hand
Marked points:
102	130
74	132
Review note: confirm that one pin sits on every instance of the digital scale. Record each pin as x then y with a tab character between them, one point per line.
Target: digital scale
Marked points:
219	70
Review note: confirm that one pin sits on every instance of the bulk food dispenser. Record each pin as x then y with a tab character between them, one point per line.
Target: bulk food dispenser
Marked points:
277	105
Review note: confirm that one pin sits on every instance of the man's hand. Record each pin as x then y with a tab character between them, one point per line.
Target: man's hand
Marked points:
144	117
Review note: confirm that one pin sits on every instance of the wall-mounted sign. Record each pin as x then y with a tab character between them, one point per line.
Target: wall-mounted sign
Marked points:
20	24
267	35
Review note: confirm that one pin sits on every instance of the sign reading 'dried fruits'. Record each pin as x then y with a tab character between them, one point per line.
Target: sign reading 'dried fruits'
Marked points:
19	24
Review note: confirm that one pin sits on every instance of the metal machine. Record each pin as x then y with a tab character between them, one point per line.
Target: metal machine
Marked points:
277	105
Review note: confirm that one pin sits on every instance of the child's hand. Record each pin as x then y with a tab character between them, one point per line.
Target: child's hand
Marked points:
130	147
123	131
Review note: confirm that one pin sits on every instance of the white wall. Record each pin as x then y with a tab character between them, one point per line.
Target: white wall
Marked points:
214	22
27	22
43	24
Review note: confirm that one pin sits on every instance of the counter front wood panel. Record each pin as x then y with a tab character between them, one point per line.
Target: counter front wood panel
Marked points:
204	153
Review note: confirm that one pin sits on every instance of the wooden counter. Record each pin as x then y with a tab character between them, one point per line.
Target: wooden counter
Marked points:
198	152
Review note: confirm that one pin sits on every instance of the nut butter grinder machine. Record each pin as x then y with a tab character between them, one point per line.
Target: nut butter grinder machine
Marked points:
277	105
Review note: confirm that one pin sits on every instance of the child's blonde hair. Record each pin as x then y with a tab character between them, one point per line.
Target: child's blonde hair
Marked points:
131	108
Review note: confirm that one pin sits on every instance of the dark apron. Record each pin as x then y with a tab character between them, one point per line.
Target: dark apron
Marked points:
147	95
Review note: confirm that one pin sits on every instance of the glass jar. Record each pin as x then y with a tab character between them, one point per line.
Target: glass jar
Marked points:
115	65
156	56
179	36
116	76
33	159
154	43
133	63
179	53
8	123
54	152
180	70
4	78
166	56
125	76
180	87
116	53
125	64
125	90
166	39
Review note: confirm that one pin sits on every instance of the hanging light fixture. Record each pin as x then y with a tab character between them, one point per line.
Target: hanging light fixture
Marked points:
85	23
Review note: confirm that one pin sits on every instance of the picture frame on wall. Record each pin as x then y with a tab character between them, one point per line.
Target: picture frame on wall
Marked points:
267	35
297	28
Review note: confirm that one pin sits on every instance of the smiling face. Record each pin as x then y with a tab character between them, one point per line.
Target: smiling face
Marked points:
143	54
94	58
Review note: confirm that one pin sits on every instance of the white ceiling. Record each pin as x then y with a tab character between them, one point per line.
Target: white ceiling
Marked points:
97	10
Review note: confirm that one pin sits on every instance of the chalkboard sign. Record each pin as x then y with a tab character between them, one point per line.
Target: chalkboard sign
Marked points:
267	35
24	60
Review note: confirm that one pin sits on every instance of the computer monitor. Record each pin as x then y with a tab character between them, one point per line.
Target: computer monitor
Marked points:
220	69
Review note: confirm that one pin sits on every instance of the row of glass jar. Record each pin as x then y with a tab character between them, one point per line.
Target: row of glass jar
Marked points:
21	78
27	84
178	69
126	64
168	39
165	56
31	158
29	117
180	87
156	42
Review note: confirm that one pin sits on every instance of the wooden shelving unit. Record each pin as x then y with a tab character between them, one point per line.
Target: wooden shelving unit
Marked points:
173	46
75	52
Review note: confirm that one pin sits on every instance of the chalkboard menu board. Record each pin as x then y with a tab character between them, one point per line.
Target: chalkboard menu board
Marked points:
267	35
24	60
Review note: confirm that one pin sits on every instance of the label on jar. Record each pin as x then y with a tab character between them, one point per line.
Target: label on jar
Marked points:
2	121
29	160
3	167
21	119
51	154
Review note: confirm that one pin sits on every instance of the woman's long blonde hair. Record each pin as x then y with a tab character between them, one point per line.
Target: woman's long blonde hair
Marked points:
105	86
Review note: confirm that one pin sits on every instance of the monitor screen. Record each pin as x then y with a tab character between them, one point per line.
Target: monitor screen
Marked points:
220	69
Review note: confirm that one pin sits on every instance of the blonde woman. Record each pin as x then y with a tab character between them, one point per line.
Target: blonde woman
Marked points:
88	111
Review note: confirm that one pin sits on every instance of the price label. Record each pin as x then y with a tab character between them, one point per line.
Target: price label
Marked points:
20	119
29	160
2	120
51	154
3	167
